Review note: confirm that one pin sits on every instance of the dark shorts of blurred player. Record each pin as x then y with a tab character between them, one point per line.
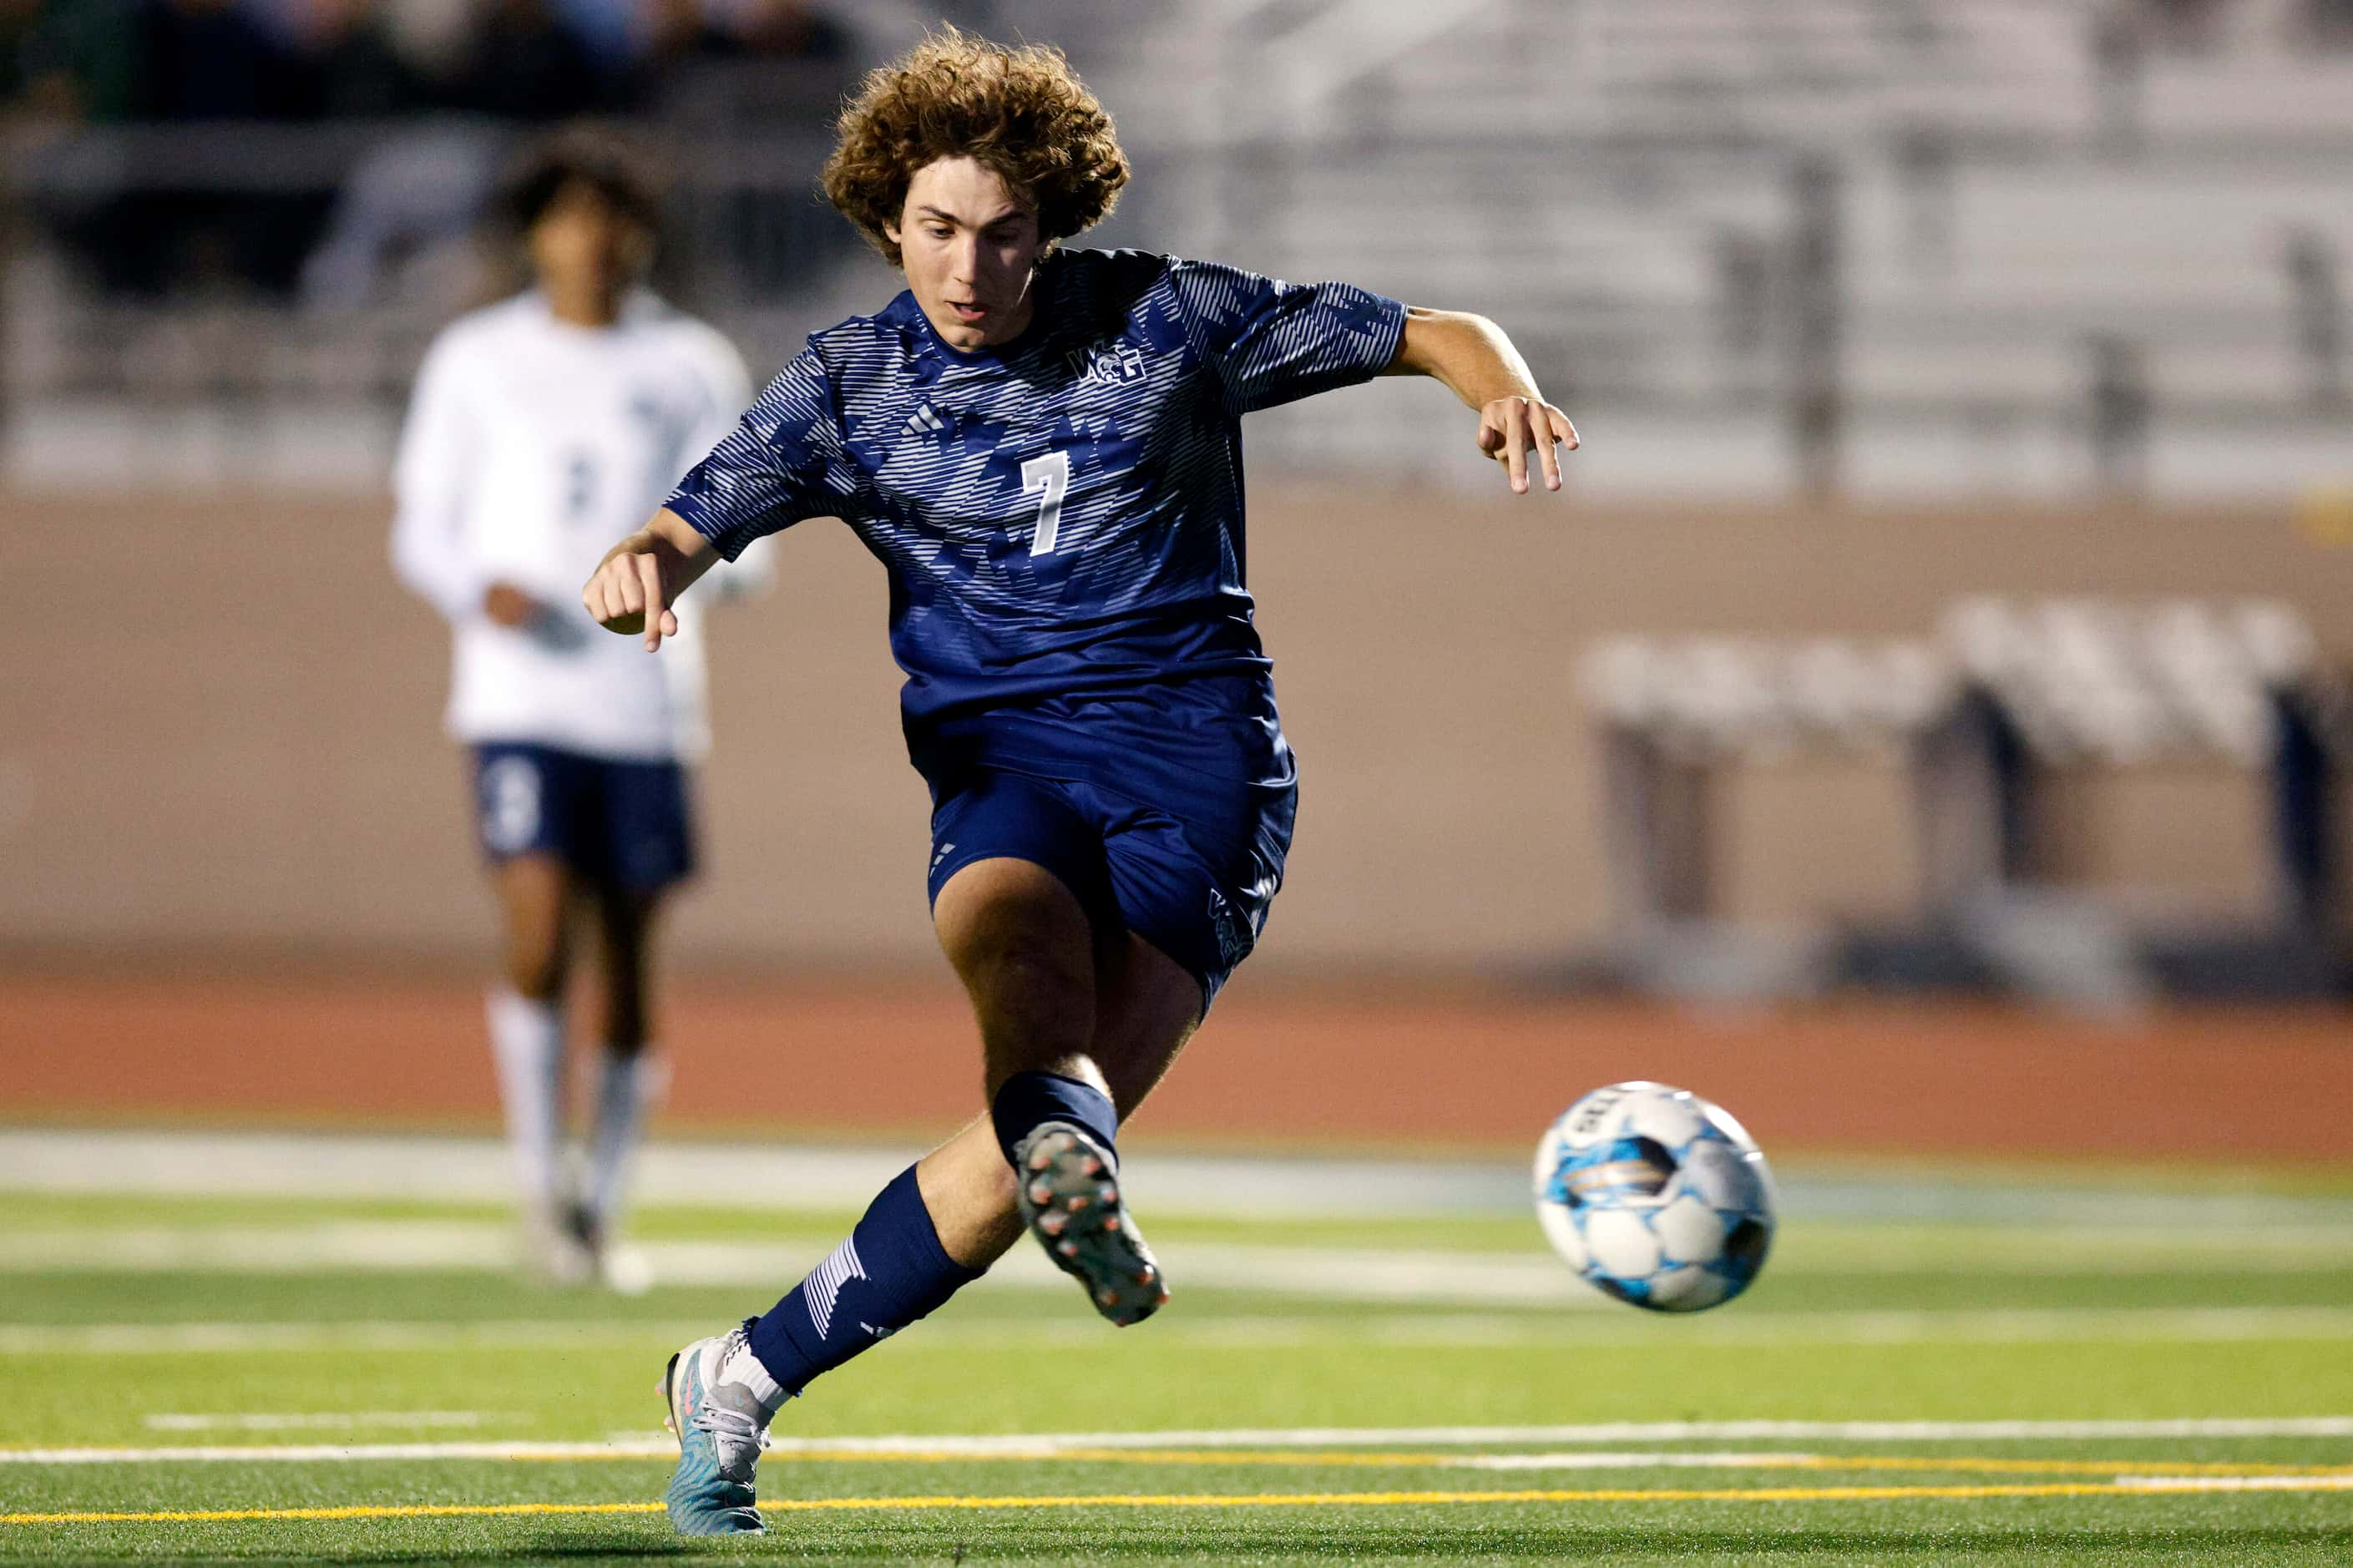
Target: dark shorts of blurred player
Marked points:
628	825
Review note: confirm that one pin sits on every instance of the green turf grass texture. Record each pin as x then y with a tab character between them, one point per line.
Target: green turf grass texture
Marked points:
1891	1318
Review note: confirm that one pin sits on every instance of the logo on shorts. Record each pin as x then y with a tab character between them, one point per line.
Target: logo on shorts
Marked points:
942	853
511	790
1235	937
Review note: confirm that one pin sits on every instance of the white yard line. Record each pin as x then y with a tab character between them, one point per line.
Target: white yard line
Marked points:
1616	1460
758	1176
329	1420
2023	1326
846	1176
1359	1274
2236	1483
1048	1445
339	1453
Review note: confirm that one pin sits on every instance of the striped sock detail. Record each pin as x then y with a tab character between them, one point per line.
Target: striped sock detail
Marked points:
823	1287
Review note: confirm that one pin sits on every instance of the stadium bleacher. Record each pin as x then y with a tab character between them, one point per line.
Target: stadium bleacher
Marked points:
2022	220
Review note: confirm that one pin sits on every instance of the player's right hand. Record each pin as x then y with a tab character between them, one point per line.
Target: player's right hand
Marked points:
509	606
628	595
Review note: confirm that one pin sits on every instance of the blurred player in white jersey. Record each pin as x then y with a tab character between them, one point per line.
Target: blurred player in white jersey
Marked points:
539	427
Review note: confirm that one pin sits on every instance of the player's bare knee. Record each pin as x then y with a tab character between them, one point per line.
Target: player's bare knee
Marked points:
535	968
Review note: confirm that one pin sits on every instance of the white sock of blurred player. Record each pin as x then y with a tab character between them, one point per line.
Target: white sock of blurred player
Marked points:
628	1084
527	1044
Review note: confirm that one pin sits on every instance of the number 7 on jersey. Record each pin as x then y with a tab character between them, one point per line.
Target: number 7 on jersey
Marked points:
1052	474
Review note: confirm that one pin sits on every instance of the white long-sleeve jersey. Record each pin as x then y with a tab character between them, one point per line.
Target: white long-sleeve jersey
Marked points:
531	446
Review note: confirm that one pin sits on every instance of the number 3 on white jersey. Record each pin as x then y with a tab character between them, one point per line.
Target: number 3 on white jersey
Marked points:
1052	474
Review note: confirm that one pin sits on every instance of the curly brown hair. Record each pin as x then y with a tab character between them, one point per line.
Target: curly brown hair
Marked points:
1021	113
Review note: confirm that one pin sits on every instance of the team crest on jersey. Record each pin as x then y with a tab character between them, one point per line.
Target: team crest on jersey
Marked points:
1109	359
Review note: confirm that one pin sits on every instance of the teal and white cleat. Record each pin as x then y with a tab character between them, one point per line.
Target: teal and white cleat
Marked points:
1067	1185
721	1420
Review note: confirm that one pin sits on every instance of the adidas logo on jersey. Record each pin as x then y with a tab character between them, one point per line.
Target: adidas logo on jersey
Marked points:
1111	359
923	421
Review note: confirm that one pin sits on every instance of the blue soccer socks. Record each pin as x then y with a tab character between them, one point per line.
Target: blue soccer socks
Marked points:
1030	1099
891	1272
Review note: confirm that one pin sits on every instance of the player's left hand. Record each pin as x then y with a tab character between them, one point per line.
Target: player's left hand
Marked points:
1510	427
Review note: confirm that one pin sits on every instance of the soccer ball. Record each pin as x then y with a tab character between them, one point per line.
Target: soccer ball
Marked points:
1655	1197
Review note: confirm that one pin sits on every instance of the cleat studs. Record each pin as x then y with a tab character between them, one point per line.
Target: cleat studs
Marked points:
1093	1166
1109	1298
1107	1192
1068	1249
1040	1157
1039	1193
1075	1205
1111	1224
1053	1224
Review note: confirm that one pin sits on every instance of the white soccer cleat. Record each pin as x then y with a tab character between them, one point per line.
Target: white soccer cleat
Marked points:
1068	1187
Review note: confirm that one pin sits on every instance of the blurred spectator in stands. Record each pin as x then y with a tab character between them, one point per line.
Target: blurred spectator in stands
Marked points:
677	39
2183	26
208	59
350	68
408	204
2119	65
176	62
693	65
2122	411
70	60
789	30
2329	23
525	63
2319	307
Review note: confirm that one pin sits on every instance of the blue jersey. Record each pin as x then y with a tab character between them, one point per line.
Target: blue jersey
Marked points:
1061	516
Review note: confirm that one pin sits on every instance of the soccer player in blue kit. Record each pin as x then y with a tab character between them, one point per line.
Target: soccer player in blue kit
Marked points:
1043	446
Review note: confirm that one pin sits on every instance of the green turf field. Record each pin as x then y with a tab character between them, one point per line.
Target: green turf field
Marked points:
1932	1371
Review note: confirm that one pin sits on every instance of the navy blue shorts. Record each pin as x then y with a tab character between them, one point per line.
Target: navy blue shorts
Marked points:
1197	887
620	825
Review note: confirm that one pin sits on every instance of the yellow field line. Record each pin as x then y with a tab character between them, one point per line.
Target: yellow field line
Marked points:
1962	1465
1168	1499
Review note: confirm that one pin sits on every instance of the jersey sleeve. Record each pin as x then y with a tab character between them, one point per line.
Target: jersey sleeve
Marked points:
784	461
1273	343
430	476
727	388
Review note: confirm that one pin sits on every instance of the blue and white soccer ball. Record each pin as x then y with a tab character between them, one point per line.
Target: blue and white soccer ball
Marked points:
1655	1197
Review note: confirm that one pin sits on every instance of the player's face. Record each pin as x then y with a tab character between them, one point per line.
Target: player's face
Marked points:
970	248
583	245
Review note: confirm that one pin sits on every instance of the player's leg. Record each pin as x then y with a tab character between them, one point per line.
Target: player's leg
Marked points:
643	846
525	1012
1045	979
631	1074
1187	897
521	793
1145	1009
945	1219
935	1229
939	1223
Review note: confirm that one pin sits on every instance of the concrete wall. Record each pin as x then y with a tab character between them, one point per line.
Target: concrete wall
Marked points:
221	723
